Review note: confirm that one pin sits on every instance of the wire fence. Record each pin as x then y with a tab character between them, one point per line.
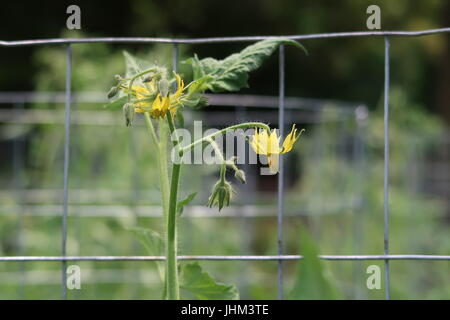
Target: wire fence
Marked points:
282	101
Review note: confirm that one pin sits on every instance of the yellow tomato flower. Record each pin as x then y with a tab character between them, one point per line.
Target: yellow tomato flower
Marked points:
268	144
160	105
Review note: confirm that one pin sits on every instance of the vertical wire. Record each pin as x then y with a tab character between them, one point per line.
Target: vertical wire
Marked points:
19	186
75	150
358	196
386	165
66	167
280	173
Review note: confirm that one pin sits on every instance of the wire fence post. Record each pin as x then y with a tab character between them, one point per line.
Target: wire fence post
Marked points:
280	173
66	168
19	186
386	165
361	114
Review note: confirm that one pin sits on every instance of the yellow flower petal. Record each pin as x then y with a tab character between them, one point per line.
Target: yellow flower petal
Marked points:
273	162
175	98
269	144
259	141
160	107
140	93
290	140
137	90
273	143
180	86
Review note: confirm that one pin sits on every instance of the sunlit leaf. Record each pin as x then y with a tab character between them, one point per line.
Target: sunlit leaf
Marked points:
117	103
185	202
203	286
135	65
231	73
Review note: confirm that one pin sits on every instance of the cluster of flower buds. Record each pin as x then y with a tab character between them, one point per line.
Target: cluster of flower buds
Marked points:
115	89
223	191
221	194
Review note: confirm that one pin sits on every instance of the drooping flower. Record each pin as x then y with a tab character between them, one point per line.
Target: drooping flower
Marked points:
268	144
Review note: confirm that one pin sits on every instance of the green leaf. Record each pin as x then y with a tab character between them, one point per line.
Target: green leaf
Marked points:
135	65
185	202
313	280
231	73
203	286
200	84
117	103
153	243
195	100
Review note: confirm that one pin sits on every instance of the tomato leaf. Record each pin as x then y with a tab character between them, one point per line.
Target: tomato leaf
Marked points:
203	286
231	73
185	202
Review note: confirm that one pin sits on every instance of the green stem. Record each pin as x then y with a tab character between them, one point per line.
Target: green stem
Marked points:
151	130
161	156
171	253
140	74
218	152
223	131
163	167
164	180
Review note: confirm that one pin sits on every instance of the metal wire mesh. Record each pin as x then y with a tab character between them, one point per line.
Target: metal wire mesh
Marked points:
280	258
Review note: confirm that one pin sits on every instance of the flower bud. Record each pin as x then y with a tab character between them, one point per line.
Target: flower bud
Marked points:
163	87
221	195
128	112
149	77
112	92
240	175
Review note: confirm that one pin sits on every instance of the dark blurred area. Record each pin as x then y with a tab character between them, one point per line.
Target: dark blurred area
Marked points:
347	74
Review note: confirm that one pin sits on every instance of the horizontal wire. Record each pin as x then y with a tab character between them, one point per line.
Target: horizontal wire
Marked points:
222	39
226	258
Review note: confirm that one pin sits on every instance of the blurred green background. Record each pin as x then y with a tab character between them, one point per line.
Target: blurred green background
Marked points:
334	179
